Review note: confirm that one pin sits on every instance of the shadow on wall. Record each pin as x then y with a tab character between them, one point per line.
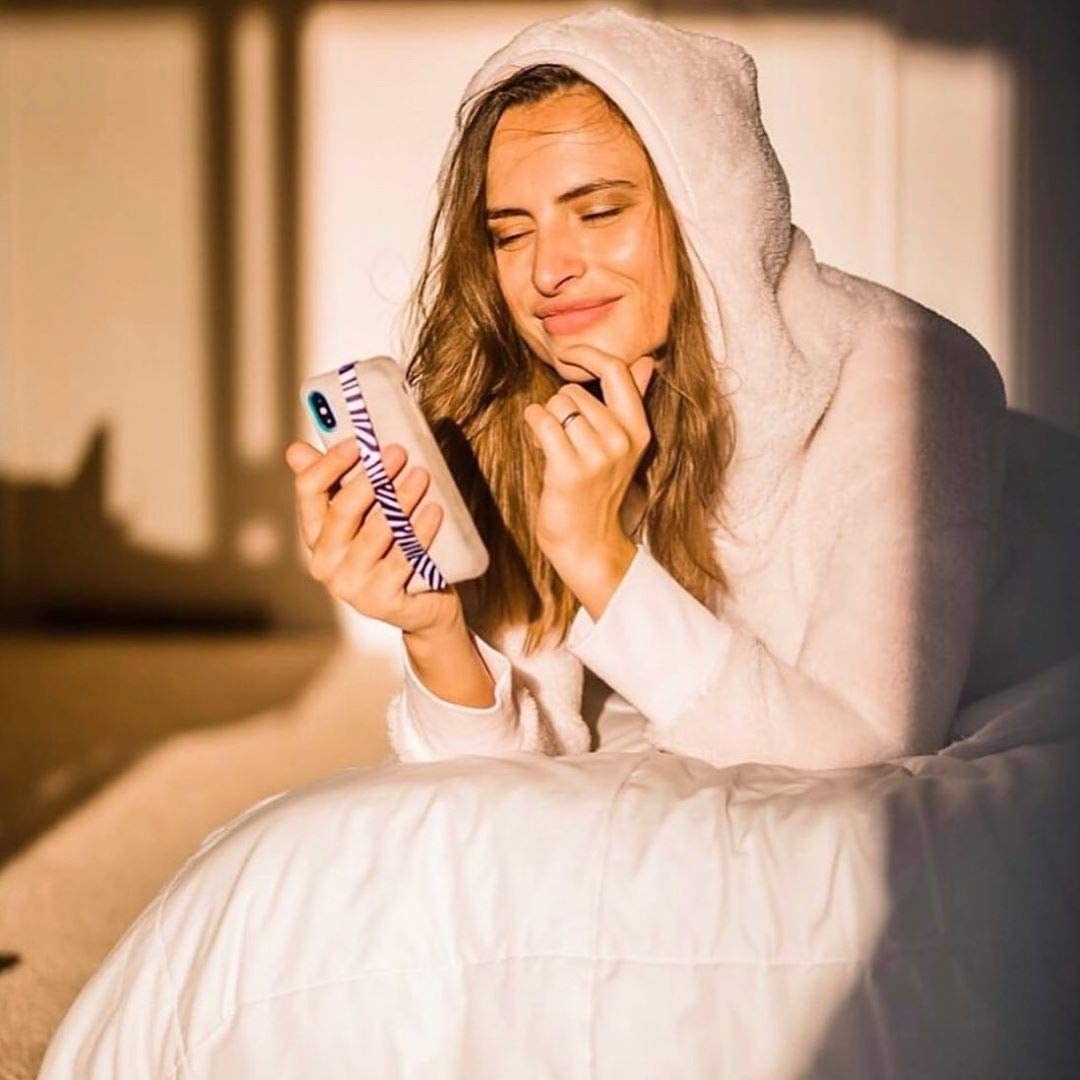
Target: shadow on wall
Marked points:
65	565
77	571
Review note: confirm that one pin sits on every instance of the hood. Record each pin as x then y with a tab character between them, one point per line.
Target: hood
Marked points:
777	329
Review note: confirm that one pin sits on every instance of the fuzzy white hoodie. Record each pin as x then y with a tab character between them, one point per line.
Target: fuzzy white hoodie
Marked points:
861	507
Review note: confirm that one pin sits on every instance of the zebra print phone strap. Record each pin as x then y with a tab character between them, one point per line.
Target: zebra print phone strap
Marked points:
371	459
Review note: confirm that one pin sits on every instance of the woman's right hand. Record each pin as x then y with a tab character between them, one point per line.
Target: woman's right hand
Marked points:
351	548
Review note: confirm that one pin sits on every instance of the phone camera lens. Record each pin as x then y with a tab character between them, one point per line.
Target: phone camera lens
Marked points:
321	410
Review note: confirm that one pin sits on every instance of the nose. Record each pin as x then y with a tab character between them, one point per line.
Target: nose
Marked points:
557	257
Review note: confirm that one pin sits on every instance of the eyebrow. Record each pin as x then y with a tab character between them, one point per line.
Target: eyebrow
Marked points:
565	197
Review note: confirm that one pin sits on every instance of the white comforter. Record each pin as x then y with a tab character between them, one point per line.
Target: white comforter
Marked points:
623	915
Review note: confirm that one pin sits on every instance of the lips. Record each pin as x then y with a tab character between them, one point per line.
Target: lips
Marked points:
564	319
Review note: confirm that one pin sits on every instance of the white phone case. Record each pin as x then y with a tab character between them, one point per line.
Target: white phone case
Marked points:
368	400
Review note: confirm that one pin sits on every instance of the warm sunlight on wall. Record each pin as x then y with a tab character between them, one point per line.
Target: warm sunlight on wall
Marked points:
102	277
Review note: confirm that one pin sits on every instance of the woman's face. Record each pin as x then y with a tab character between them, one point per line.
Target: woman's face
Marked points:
574	223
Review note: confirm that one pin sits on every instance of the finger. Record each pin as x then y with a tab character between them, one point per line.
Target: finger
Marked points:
299	455
349	507
378	542
375	541
323	471
551	436
595	435
425	522
600	419
389	576
313	483
622	391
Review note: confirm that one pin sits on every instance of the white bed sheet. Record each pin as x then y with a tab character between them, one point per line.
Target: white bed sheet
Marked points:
623	914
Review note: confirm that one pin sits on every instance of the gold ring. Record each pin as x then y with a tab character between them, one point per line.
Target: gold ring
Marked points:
566	419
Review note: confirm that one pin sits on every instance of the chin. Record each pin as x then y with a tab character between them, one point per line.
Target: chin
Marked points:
614	346
573	373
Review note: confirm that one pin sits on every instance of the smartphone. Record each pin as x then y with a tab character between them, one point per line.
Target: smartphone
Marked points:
368	401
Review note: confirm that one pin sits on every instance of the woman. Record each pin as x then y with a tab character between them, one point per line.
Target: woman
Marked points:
764	498
739	505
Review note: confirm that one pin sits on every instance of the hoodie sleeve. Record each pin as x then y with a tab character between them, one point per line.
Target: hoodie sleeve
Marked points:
889	630
425	727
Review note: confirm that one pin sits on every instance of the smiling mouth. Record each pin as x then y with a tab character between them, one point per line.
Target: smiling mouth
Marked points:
570	322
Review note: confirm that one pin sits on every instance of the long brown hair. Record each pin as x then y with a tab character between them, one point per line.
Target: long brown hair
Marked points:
474	375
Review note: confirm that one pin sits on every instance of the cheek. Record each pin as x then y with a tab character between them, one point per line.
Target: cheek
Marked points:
656	287
627	255
502	279
665	292
510	285
637	257
662	286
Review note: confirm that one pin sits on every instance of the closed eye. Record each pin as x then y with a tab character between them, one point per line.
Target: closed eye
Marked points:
502	241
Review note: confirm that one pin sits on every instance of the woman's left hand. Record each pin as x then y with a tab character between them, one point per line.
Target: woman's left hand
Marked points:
590	462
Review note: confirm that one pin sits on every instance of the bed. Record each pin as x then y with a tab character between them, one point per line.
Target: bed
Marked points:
624	914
